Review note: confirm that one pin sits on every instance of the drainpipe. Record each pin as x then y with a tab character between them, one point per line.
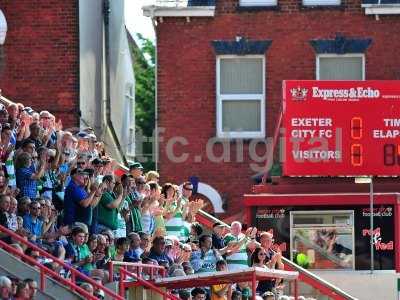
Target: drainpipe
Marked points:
156	132
109	124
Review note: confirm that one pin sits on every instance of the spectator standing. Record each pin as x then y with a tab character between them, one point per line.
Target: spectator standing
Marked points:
110	202
136	170
205	259
238	259
77	201
217	236
27	175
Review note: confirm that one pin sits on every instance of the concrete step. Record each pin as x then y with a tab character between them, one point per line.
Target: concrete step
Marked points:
13	266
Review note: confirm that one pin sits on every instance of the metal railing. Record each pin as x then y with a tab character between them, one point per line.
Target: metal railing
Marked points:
123	284
306	276
138	267
46	272
75	274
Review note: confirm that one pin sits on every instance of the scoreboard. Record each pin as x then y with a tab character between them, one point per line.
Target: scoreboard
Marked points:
341	128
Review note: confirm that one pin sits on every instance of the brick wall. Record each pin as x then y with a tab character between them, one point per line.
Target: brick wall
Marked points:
42	56
186	76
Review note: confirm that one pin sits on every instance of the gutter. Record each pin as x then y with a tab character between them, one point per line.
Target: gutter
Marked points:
109	123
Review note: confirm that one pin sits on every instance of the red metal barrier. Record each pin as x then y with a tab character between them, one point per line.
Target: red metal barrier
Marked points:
46	271
124	273
74	272
139	267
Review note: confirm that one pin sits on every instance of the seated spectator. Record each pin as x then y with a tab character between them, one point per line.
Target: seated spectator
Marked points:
78	252
220	291
144	243
199	294
32	222
12	215
33	287
5	202
134	251
22	291
87	287
23	206
5	288
157	251
185	295
121	247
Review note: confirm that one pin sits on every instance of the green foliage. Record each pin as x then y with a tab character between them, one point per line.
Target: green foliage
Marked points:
144	68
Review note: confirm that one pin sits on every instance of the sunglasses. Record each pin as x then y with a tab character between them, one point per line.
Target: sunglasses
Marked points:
262	254
188	189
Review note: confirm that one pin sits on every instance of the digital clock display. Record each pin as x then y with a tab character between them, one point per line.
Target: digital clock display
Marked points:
341	128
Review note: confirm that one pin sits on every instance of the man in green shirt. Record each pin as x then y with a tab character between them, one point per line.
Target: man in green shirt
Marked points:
110	202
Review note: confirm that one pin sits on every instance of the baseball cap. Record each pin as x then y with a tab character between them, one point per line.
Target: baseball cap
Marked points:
79	171
135	165
97	161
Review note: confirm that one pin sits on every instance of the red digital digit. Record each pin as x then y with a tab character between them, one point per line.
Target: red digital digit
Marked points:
389	155
356	155
356	128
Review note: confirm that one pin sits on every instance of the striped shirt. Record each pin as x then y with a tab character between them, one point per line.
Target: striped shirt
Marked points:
176	226
11	170
239	259
205	263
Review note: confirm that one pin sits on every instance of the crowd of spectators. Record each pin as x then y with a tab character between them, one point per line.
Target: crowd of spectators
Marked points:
58	190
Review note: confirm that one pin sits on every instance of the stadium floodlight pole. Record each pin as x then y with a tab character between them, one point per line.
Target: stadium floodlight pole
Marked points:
371	216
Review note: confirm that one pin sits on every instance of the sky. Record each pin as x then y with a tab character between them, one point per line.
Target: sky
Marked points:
134	19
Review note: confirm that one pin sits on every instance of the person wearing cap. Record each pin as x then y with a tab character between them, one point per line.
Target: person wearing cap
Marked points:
77	200
136	170
92	151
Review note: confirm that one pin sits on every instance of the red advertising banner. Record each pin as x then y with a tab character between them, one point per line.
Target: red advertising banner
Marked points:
341	128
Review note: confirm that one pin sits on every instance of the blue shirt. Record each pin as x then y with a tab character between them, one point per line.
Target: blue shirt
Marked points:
160	257
25	183
73	211
33	226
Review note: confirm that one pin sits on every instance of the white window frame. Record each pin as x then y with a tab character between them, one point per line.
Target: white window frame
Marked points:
322	2
130	96
316	212
232	97
362	55
258	3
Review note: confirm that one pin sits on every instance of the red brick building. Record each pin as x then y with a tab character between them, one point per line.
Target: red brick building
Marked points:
210	54
73	59
42	56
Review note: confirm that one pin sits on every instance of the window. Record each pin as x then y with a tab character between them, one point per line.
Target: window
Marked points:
323	239
340	67
258	2
240	96
320	2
